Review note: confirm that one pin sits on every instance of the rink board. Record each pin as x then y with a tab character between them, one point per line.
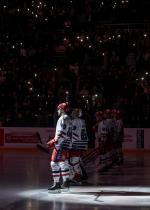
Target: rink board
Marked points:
134	138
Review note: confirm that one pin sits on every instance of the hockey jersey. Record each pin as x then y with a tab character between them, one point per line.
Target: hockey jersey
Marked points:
103	131
79	135
63	132
119	129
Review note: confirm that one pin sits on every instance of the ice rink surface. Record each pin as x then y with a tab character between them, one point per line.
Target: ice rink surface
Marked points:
26	176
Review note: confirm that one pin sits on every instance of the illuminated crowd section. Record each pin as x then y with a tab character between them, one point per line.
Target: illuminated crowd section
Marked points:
93	53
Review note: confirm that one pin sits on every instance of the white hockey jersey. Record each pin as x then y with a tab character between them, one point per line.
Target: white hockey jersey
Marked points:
63	132
79	134
103	131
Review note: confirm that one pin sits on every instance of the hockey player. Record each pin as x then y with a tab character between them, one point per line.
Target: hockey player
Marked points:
99	143
98	119
103	136
60	144
114	136
79	144
119	138
109	144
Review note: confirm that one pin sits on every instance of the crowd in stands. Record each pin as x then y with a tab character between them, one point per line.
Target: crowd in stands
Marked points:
96	54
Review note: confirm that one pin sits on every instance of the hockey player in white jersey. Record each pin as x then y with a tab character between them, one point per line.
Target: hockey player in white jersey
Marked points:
111	129
60	144
79	145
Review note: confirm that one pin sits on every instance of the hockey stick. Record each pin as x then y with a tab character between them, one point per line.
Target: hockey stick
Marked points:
42	146
90	156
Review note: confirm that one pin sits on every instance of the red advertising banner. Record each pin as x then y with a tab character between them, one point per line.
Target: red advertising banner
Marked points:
21	137
26	136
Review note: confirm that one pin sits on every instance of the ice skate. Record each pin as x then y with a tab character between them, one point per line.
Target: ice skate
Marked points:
55	188
65	186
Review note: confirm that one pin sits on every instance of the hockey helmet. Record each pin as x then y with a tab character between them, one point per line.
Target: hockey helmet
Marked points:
76	113
107	113
118	113
98	114
63	106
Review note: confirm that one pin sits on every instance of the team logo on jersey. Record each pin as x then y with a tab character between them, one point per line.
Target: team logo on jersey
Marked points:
64	126
74	127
